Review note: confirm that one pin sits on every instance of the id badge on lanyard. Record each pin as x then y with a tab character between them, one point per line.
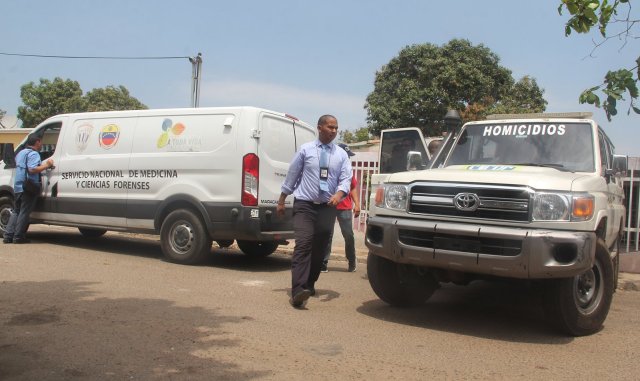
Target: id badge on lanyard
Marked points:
324	173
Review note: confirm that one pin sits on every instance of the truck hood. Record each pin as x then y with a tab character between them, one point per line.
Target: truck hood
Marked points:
534	177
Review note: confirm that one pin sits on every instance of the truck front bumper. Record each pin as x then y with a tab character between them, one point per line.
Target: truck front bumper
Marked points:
483	249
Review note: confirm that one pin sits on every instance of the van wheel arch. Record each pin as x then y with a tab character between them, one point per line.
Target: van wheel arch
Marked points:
181	202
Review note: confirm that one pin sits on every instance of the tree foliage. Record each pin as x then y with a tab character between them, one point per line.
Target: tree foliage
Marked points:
60	96
112	98
417	87
359	135
49	98
589	14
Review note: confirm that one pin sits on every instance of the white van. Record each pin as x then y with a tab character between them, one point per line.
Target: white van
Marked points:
191	175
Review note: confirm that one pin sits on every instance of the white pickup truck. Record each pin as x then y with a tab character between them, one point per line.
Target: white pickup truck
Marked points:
535	197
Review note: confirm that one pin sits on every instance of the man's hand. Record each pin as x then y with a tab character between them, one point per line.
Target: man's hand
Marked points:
280	210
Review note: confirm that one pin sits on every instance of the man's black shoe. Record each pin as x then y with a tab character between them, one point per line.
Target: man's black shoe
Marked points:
298	299
312	291
7	240
352	267
21	240
324	268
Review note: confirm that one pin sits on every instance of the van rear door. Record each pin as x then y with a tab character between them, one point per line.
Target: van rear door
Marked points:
280	138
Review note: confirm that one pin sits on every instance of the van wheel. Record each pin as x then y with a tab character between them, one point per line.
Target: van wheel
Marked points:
92	233
257	248
398	284
6	204
579	305
183	238
224	242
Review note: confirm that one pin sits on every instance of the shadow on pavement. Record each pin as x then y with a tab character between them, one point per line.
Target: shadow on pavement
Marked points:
148	246
509	311
58	330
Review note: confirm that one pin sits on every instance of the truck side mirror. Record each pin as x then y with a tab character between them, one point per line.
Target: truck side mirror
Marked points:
620	164
414	161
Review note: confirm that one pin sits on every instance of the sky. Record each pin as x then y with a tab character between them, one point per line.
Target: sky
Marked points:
305	58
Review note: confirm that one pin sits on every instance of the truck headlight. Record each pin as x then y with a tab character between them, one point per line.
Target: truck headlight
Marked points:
395	197
551	207
562	207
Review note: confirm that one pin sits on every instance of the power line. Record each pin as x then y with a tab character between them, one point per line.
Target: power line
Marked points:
95	57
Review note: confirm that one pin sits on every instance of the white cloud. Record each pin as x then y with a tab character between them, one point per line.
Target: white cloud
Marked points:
305	104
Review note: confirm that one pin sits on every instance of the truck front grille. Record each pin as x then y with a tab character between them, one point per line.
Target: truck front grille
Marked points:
453	242
507	203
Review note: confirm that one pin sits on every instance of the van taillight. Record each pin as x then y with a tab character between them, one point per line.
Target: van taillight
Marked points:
250	176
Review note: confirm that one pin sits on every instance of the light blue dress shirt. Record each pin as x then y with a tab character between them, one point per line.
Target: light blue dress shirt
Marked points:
303	178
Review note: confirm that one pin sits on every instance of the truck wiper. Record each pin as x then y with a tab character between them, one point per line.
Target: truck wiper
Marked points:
559	167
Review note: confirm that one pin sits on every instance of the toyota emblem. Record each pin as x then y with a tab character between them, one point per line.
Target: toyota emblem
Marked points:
467	202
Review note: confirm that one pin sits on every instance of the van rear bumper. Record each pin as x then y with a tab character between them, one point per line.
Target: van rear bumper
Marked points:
484	249
249	223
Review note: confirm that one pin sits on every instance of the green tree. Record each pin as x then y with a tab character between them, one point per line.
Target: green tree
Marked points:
589	14
346	136
360	135
49	98
111	98
417	87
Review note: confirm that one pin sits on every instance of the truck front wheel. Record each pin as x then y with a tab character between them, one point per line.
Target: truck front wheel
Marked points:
579	305
398	284
184	238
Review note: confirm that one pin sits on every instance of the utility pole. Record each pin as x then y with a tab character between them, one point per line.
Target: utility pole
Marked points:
196	71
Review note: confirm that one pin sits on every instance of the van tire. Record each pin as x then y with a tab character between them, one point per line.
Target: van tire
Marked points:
257	248
400	285
579	305
183	238
92	233
6	204
224	243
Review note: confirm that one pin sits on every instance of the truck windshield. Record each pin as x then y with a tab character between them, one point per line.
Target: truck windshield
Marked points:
564	146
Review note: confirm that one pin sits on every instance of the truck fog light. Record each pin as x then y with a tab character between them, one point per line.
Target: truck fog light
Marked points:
550	207
565	253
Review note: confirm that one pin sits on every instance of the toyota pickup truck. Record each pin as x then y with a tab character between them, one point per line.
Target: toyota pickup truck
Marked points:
530	197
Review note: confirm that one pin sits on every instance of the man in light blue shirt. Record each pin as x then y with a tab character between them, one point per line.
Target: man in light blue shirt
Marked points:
28	164
319	178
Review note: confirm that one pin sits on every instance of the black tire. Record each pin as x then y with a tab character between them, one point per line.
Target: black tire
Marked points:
6	204
183	238
400	285
224	242
257	248
92	233
579	305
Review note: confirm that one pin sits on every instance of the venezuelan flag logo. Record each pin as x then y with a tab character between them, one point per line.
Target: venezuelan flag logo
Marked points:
108	136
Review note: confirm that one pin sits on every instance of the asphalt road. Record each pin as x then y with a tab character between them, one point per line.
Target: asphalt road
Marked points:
112	309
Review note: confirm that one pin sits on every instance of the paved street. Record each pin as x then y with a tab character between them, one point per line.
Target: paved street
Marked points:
112	309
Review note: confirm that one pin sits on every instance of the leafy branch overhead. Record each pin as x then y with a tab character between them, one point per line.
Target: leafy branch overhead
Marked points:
605	15
61	96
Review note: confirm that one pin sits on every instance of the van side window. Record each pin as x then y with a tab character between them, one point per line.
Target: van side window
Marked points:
49	134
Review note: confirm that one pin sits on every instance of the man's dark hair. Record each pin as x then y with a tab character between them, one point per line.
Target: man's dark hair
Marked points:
324	118
33	139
